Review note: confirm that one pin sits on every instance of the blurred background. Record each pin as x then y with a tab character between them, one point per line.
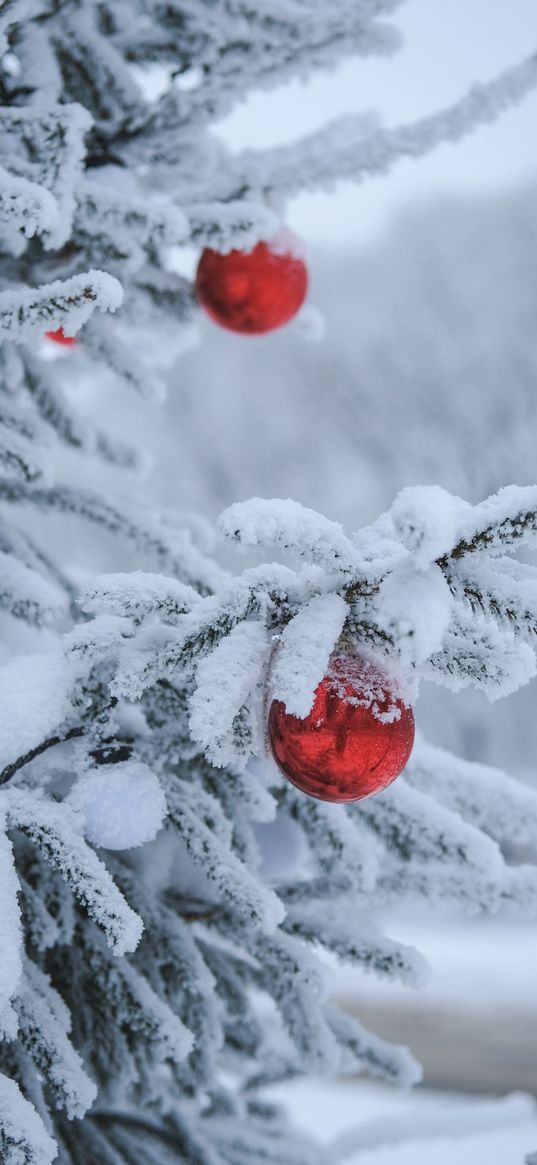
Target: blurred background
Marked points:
427	372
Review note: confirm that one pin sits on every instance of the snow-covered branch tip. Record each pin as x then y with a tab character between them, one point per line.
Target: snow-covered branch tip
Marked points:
348	149
25	207
232	224
23	1136
173	550
425	521
502	520
64	303
55	830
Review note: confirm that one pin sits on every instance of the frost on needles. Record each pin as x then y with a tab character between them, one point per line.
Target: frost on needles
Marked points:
151	979
176	682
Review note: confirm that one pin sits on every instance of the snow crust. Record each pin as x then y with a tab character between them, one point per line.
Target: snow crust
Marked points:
35	697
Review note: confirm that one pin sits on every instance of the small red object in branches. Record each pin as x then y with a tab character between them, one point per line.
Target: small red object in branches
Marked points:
59	337
253	291
355	740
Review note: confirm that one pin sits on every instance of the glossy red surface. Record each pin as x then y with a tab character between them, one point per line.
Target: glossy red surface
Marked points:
341	751
251	292
59	337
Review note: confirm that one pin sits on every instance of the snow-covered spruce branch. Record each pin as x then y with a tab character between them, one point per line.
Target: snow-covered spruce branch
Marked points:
486	797
26	594
220	647
64	303
23	563
138	595
21	457
23	1135
25	207
175	554
504	519
55	832
57	413
389	587
240	48
344	149
369	949
44	1025
43	149
234	224
106	348
163	1029
122	221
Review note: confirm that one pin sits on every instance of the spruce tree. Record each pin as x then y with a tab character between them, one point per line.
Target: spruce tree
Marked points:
152	980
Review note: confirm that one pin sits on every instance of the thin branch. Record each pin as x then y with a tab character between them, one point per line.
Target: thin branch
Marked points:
51	742
60	738
508	531
344	149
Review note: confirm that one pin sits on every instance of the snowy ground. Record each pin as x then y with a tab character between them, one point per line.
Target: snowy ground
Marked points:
328	1110
481	970
474	1026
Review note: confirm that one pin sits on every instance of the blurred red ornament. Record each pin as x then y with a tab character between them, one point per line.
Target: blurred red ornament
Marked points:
342	750
253	291
59	337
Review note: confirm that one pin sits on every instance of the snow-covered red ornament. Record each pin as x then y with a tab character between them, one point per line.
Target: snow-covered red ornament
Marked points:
253	291
59	337
355	740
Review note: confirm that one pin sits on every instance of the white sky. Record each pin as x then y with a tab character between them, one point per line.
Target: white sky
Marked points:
449	44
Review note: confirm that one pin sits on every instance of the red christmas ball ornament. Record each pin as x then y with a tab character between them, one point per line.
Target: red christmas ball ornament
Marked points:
253	291
59	337
355	740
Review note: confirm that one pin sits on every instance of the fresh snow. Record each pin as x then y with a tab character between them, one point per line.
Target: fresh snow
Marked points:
304	650
35	697
122	805
420	1129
